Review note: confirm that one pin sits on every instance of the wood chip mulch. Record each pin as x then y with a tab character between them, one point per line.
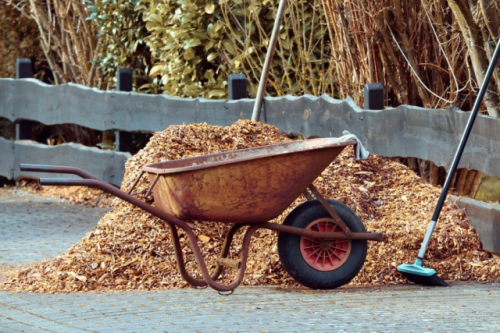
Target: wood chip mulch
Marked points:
131	250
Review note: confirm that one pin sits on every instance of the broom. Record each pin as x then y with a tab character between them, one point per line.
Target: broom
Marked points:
415	272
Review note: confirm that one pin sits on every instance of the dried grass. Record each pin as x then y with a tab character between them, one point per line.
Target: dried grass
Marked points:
420	50
67	39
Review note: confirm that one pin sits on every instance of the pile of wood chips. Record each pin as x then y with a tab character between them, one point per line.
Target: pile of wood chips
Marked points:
130	249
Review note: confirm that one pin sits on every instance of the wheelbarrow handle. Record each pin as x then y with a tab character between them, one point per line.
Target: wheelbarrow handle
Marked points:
63	182
171	220
57	169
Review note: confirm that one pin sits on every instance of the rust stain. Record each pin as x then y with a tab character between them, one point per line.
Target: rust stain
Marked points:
250	186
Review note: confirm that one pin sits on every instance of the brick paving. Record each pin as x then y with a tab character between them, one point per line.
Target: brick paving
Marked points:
34	228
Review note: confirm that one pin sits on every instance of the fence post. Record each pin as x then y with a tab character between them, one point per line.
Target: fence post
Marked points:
237	86
374	96
124	82
24	128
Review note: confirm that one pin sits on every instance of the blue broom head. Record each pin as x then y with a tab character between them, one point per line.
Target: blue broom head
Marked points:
421	275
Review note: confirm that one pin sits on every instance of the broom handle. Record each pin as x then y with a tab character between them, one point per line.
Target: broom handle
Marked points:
267	62
458	155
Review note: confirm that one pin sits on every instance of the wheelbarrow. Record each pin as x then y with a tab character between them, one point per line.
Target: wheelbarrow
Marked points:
322	244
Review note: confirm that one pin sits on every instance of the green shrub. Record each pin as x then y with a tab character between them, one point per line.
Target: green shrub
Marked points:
195	44
121	37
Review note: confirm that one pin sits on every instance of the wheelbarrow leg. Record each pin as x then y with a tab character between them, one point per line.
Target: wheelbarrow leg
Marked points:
225	248
203	267
207	278
180	259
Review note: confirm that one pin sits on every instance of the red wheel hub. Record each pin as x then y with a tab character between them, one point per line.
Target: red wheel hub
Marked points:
322	254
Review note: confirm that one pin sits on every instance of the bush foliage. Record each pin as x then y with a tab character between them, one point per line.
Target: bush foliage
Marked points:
188	48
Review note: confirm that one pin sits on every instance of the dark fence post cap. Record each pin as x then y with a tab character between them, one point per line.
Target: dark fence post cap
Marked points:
374	96
237	86
237	76
124	79
23	68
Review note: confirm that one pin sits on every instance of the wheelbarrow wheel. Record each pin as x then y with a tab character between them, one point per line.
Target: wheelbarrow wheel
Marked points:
321	264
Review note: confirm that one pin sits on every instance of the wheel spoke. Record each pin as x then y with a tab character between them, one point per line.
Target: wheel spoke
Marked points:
317	257
311	242
336	255
325	226
331	259
316	250
310	239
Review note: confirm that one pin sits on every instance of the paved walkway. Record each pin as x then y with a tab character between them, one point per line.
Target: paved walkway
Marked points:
35	228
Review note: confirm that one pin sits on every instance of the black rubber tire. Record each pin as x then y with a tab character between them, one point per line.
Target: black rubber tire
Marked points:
291	257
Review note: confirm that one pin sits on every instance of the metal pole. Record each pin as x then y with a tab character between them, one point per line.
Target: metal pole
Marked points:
267	62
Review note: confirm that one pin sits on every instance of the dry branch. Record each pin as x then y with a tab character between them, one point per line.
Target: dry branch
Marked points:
68	40
416	48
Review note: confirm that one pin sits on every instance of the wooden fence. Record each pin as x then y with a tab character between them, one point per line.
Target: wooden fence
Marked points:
405	131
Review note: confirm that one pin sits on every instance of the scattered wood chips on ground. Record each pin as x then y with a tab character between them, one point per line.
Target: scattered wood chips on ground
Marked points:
130	249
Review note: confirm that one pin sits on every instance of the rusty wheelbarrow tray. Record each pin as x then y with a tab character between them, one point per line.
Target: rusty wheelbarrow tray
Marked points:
322	243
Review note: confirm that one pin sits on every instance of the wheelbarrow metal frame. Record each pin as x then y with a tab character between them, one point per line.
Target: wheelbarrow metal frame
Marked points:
174	222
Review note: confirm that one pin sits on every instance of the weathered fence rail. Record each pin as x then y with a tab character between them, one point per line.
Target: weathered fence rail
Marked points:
405	131
106	164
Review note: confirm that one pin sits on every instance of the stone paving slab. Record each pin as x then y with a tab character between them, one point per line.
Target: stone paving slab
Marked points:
459	308
35	228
